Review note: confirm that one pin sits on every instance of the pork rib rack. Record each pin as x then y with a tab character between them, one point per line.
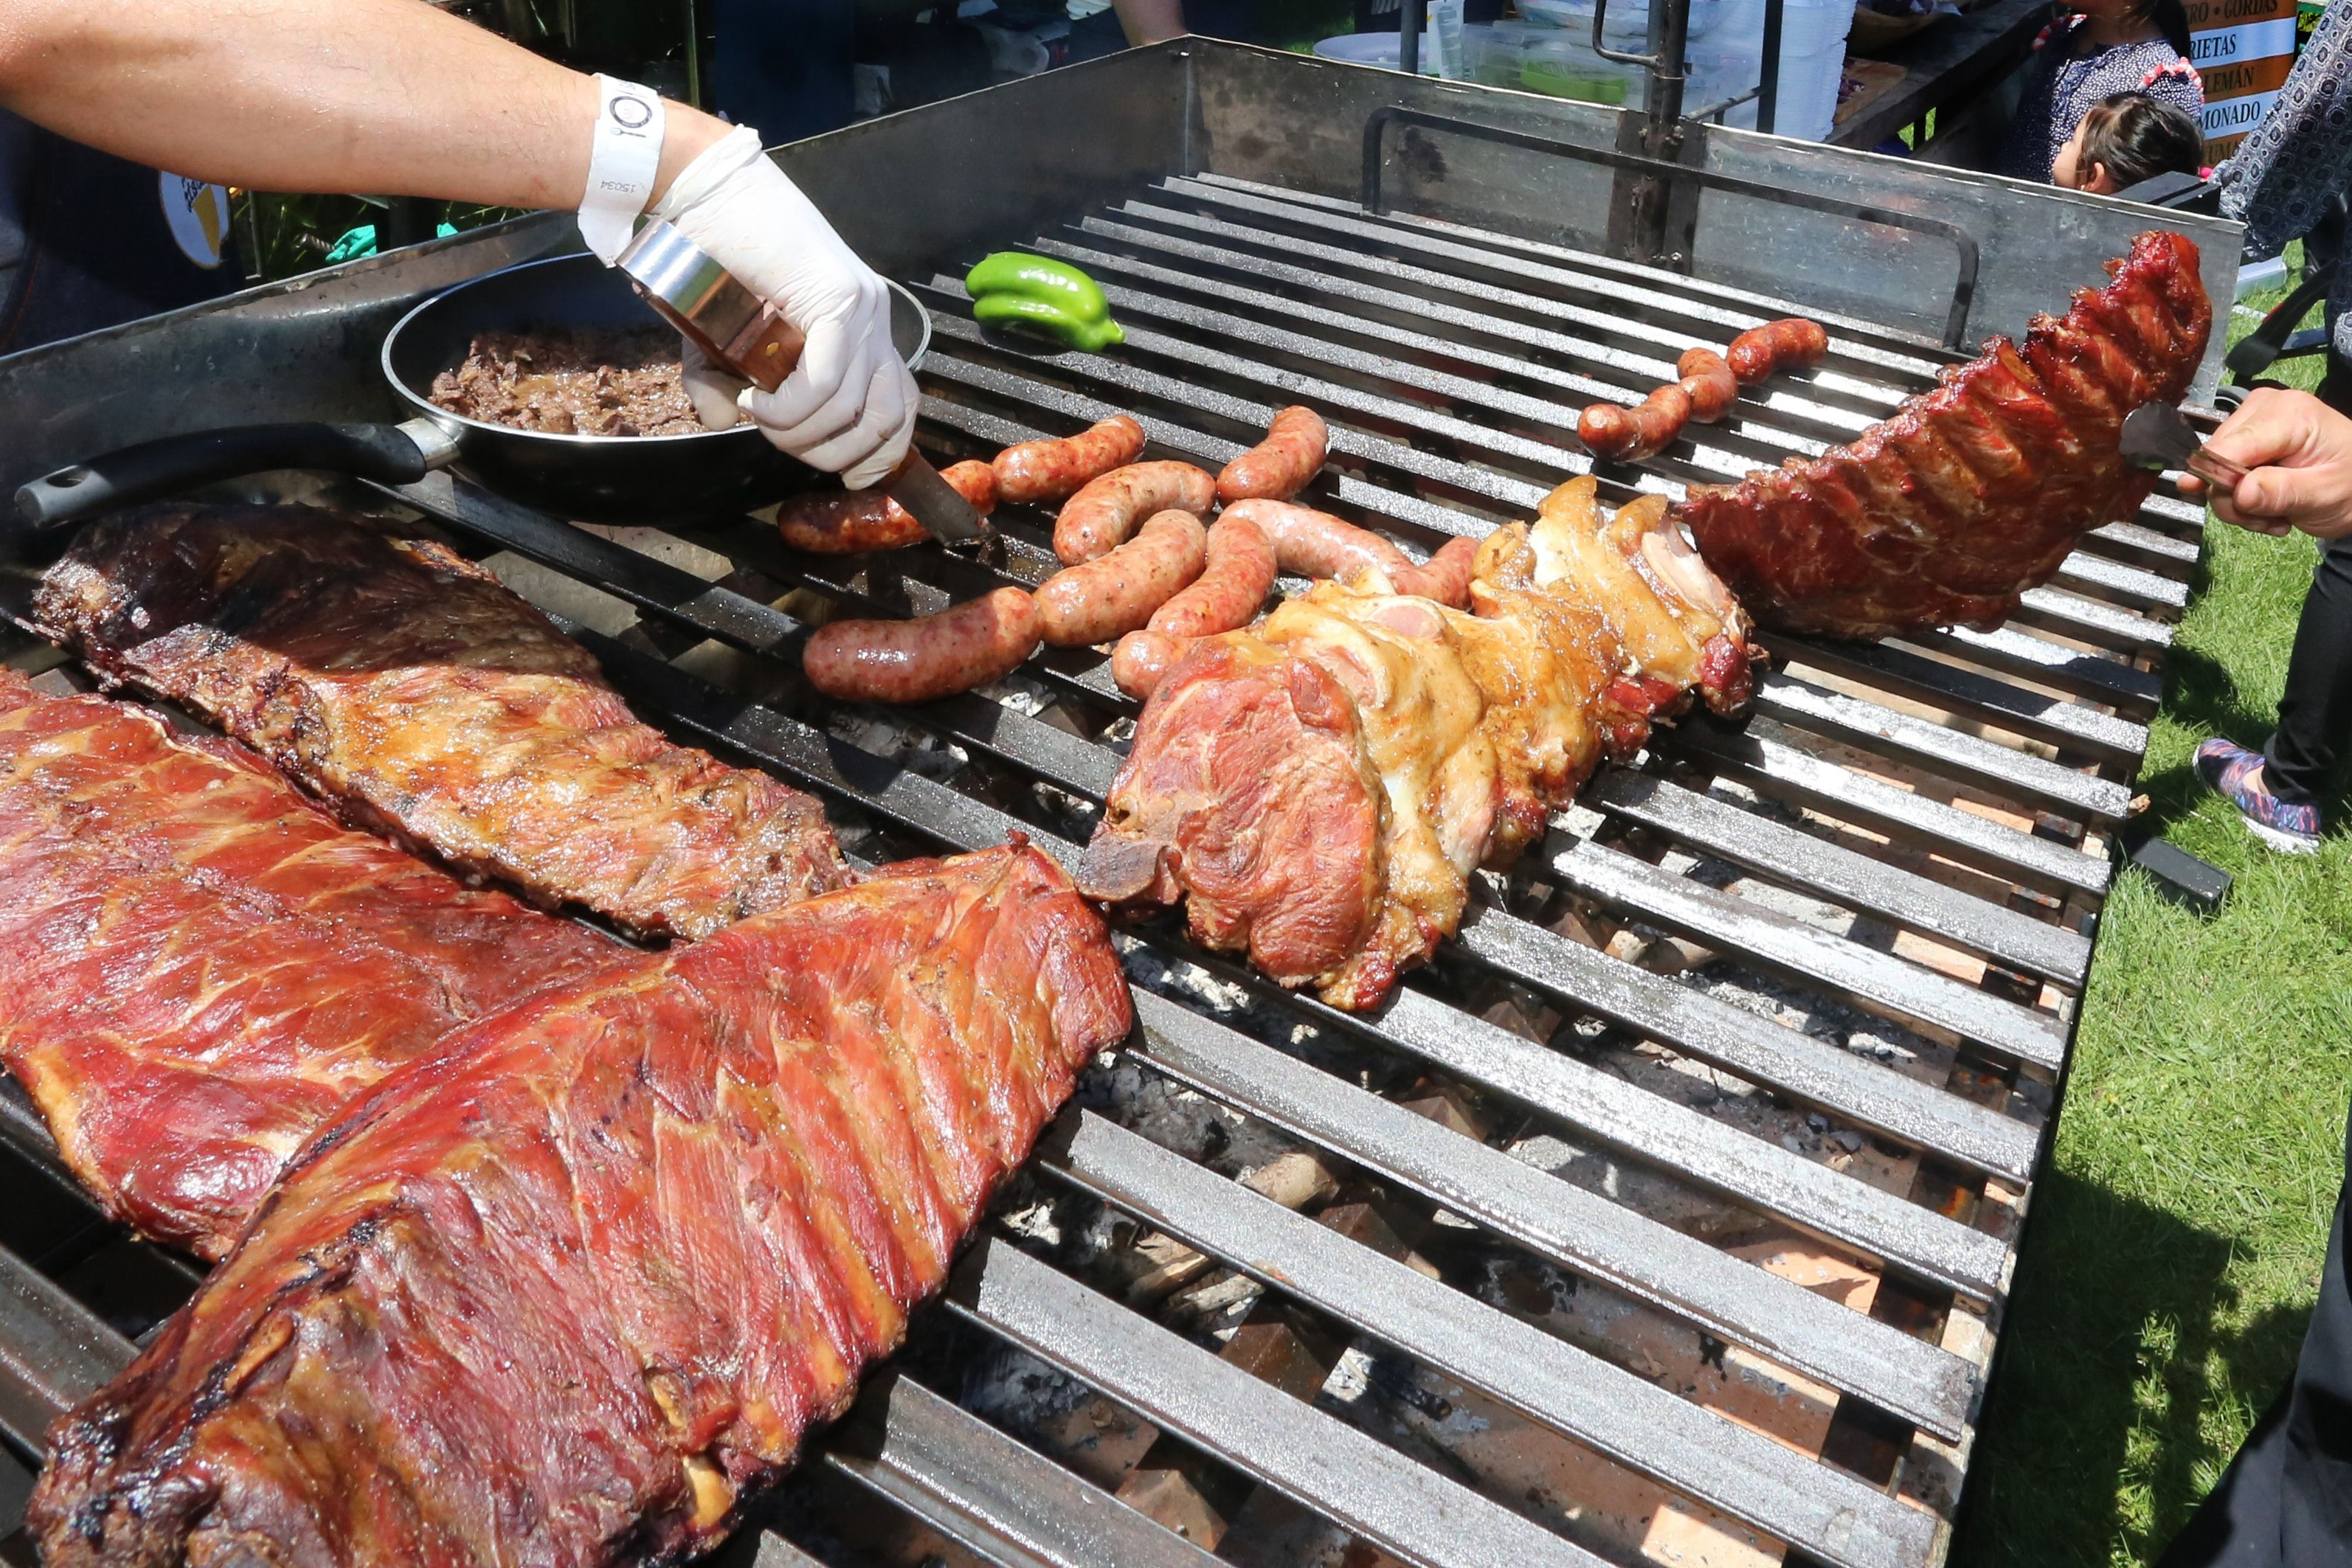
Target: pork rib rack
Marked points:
198	969
1317	789
568	1291
409	689
1975	492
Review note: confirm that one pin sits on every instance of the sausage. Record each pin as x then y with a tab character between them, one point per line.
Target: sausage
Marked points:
1631	433
1238	576
962	647
1143	658
1444	577
1283	463
1789	344
1049	470
844	522
1099	600
1316	544
1099	518
1707	378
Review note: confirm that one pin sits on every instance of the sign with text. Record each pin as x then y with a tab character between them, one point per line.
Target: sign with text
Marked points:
2243	49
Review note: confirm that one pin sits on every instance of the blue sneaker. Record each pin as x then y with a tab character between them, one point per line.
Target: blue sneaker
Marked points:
2236	775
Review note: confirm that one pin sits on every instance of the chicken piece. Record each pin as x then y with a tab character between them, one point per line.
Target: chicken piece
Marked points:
574	1289
1681	631
1971	494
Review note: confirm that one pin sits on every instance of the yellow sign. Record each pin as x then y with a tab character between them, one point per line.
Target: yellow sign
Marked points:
2243	49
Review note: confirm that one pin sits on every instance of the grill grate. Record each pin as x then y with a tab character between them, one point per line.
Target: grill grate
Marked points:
1903	845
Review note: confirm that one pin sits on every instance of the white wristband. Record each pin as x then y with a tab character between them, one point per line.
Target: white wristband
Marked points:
622	163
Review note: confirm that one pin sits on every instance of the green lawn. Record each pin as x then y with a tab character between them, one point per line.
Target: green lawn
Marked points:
2175	1244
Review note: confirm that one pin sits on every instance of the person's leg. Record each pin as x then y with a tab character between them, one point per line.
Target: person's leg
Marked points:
2286	1498
2314	723
785	65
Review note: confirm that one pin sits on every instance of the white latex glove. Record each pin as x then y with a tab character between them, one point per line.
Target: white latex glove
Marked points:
849	405
711	390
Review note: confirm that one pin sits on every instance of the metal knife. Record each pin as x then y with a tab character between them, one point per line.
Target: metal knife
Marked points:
741	332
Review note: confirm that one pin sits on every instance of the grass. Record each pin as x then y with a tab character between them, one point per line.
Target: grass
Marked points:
2175	1247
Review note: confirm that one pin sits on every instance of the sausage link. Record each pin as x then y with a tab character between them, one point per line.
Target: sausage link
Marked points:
1444	577
1707	378
1790	343
1643	431
1238	576
1049	470
844	522
1099	518
1283	463
1317	544
962	647
1143	658
1096	600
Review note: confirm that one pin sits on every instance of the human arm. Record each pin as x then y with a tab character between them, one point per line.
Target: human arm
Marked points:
1150	21
2297	452
398	98
2299	154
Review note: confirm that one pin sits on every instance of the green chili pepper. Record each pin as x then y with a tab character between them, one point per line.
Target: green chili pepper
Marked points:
1053	299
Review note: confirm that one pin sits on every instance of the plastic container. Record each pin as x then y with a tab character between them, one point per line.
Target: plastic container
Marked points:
1728	60
1558	62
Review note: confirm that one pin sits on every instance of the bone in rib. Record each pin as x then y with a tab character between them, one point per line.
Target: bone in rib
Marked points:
1975	492
198	969
410	690
1317	788
573	1288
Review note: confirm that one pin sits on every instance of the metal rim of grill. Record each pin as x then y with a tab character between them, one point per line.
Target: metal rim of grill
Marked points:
1452	363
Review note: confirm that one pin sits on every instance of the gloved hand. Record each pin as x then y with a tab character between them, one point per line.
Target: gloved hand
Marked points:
849	405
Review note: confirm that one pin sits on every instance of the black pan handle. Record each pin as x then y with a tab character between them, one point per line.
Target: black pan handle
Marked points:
389	453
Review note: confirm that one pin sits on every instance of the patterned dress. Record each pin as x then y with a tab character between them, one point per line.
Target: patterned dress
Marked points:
2067	75
2297	156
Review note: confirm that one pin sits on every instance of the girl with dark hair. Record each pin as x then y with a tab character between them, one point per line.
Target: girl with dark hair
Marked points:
2109	47
2124	139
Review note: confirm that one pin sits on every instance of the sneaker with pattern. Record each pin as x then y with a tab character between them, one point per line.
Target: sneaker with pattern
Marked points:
2236	775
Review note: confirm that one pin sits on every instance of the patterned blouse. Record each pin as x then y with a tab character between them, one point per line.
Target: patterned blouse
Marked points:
2066	77
2297	156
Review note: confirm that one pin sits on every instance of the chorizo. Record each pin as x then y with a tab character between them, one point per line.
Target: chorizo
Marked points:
1629	434
1238	575
1143	658
1049	470
1283	463
1099	600
1099	518
1310	543
1790	343
1707	378
1444	577
962	647
845	522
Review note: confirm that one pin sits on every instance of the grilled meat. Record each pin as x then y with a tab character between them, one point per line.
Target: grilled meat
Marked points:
1975	492
198	969
1317	789
570	1291
421	699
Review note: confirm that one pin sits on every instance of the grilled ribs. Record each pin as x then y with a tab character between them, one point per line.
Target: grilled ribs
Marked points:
409	689
1975	492
198	969
1316	789
570	1291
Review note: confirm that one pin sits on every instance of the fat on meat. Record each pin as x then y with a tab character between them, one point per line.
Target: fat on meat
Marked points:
409	689
576	1288
199	968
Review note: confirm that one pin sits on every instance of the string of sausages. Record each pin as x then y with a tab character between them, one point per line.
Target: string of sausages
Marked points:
1710	383
1142	565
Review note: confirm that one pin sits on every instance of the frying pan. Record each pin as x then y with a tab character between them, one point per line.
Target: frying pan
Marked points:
596	478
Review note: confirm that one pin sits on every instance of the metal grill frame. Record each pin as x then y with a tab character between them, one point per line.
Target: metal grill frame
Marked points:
1390	331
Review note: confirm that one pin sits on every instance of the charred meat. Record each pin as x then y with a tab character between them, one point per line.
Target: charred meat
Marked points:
410	690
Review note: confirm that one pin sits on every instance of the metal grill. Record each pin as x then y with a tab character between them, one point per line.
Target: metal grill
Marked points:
1717	1251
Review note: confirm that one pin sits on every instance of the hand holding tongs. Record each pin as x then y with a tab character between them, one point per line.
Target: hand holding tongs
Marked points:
2157	436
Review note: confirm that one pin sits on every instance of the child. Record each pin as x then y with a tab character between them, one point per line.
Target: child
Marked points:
2124	139
2110	46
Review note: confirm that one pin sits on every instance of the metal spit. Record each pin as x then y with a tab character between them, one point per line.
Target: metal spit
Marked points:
1540	1225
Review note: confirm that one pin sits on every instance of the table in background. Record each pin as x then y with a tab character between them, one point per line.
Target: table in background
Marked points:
1953	61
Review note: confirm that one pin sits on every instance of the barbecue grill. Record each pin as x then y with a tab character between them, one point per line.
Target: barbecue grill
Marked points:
1672	1211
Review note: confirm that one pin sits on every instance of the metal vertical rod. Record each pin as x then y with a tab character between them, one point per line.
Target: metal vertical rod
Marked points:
693	57
1665	105
1409	35
1768	94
